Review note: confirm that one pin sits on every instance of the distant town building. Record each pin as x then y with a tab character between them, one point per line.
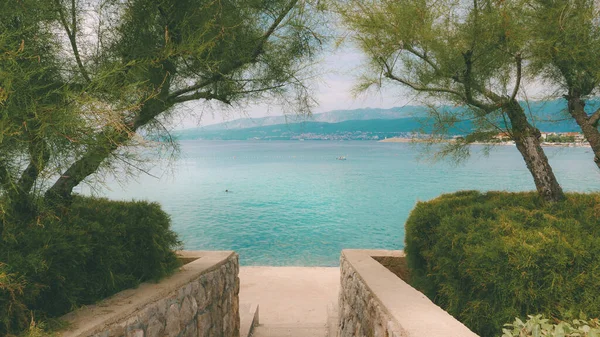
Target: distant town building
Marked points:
579	137
503	136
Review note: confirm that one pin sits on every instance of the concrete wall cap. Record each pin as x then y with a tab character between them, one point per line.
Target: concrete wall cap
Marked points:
412	311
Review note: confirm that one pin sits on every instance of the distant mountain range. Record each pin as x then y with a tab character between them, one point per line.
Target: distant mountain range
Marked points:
335	116
363	124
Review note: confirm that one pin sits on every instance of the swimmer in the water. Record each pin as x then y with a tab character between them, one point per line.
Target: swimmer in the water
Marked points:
226	190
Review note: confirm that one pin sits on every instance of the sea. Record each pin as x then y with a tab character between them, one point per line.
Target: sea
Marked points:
299	203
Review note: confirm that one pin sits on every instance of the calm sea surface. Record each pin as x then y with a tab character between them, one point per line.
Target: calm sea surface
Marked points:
293	203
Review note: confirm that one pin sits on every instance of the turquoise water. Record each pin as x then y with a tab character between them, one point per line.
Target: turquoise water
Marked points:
293	203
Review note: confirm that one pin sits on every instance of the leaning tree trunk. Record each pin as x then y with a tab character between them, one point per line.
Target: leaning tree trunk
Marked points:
109	141
60	191
588	126
527	139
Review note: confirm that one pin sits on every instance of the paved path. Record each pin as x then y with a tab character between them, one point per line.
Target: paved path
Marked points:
293	301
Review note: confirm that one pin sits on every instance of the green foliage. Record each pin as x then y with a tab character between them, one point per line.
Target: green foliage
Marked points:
537	326
468	53
13	311
489	257
565	36
559	139
39	329
88	252
461	52
82	83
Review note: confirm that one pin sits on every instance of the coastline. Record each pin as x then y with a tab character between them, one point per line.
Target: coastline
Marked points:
510	143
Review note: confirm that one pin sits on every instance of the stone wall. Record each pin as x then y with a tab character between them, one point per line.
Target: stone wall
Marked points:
359	311
200	300
374	302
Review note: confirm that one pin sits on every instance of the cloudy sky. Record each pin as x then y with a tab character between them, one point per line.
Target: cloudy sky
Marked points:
338	71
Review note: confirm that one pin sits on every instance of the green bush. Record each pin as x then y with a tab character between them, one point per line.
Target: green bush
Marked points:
560	139
537	326
487	258
13	311
91	250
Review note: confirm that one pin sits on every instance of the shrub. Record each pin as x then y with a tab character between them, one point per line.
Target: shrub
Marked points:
487	258
537	326
12	309
91	250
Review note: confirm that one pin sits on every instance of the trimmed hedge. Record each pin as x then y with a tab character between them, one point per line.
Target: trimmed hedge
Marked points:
92	250
487	258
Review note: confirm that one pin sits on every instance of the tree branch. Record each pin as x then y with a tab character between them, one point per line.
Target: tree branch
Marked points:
39	158
424	57
5	177
169	136
72	35
594	118
487	108
81	168
200	95
110	139
137	167
417	87
468	86
467	80
257	51
208	95
519	62
388	74
468	97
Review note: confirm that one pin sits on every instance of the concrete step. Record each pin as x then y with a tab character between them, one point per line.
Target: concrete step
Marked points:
333	317
248	319
290	330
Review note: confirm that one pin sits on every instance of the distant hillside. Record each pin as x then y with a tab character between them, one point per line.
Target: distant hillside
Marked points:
335	116
348	130
367	129
549	116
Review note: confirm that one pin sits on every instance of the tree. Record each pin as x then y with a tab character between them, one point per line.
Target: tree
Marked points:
36	113
120	70
565	40
466	53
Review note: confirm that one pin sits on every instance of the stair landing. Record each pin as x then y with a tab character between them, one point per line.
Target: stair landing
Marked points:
290	330
293	301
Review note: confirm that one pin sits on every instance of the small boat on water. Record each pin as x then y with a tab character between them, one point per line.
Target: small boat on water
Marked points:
341	158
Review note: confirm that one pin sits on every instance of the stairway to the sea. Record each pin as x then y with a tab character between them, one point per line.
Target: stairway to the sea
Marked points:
251	326
290	330
288	301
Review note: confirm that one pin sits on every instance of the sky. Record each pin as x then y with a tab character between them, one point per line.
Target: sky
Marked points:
338	67
339	70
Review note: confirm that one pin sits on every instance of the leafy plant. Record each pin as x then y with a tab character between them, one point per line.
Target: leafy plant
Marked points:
537	326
